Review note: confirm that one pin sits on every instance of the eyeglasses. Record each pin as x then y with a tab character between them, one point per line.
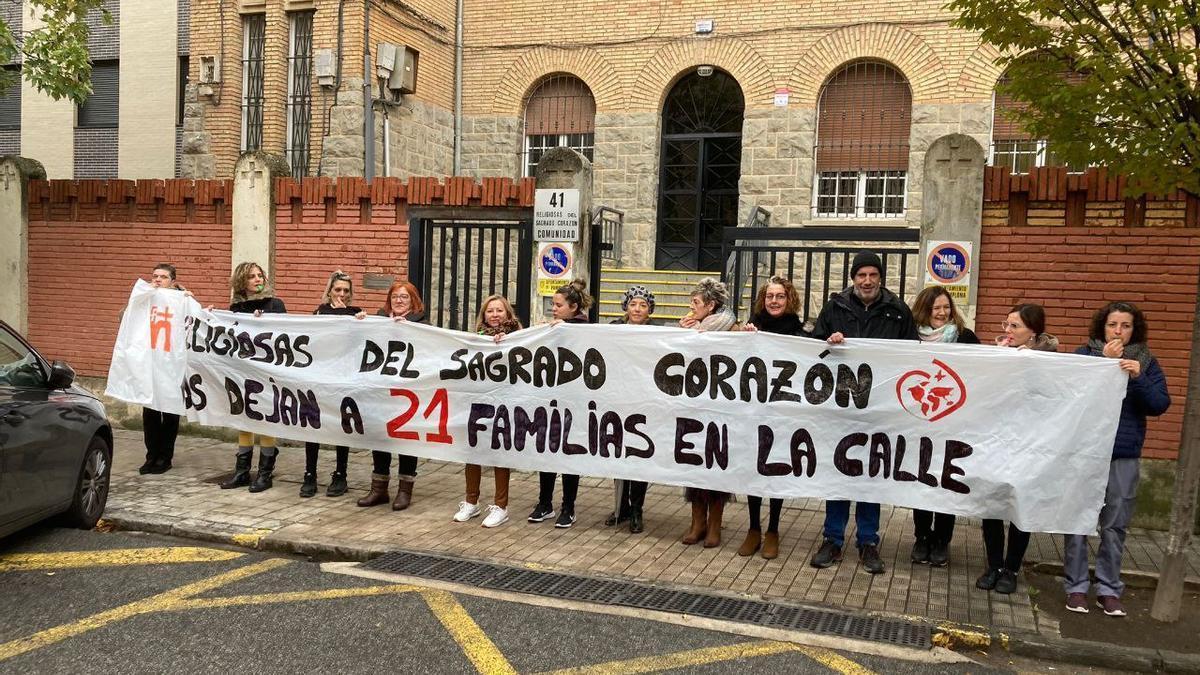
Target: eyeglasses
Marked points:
1005	325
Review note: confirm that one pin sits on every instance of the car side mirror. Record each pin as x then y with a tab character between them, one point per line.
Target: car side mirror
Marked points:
61	375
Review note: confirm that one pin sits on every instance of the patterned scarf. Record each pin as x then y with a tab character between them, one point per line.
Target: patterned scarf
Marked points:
1138	351
947	333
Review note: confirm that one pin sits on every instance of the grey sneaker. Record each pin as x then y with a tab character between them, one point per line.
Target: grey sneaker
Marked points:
829	554
869	556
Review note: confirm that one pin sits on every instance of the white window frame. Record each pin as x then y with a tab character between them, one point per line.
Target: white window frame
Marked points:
860	194
586	147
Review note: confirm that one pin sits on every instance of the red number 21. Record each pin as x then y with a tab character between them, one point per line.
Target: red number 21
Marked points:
440	403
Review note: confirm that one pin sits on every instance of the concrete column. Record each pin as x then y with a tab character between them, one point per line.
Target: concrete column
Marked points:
47	126
566	169
148	86
952	204
15	174
254	208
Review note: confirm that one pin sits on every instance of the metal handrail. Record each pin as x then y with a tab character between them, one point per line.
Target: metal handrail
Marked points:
612	222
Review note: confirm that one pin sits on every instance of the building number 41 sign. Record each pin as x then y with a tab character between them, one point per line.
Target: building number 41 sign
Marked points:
556	215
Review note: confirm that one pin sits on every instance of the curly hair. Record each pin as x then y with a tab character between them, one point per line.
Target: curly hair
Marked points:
575	293
241	274
1140	330
789	289
711	290
922	307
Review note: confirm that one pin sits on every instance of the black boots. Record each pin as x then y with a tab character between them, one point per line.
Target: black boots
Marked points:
309	487
241	470
266	469
337	484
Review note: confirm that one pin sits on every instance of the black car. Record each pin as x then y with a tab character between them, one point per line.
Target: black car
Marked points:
55	441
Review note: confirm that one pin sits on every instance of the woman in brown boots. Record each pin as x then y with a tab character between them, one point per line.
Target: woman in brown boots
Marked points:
710	312
775	311
403	304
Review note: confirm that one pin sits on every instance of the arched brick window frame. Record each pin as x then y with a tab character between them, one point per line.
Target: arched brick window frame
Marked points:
864	118
559	112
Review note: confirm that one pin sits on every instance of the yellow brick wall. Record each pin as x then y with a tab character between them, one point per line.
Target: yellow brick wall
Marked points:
630	53
428	27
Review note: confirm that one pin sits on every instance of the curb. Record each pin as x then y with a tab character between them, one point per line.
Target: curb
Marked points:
945	634
1066	650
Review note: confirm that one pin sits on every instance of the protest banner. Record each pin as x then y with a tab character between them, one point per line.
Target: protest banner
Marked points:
971	430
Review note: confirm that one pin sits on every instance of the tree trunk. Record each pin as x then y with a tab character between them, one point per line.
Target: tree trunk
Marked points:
1169	592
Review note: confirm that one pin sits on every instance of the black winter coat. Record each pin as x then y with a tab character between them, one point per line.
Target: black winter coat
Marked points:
267	305
328	308
888	318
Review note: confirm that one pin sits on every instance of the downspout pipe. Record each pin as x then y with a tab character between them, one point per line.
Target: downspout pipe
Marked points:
368	98
458	77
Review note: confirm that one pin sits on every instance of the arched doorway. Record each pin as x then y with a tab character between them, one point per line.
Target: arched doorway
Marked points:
700	165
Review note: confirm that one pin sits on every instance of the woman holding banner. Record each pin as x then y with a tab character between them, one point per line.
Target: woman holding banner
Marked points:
709	312
496	319
938	322
251	293
403	304
638	305
339	293
775	311
570	305
1024	328
1118	331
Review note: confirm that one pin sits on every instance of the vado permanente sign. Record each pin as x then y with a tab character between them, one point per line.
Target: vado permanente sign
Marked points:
972	430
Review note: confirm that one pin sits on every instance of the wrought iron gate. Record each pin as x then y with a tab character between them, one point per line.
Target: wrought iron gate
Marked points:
458	261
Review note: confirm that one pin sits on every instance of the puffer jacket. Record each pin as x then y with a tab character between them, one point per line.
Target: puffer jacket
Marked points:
1145	396
888	318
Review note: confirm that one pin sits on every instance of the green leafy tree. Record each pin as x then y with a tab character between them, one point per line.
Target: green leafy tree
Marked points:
54	58
1135	107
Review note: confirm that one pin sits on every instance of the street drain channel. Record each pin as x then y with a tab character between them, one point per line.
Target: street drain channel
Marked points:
645	596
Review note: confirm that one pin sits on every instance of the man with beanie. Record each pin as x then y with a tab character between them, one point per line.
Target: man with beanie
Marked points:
864	310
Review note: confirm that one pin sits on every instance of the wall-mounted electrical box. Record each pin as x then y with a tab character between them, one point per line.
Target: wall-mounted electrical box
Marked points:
210	69
325	67
385	59
404	78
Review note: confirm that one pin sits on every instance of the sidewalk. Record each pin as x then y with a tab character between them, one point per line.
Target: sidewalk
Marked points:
185	501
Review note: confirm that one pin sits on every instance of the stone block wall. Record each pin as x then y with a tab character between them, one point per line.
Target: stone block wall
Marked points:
421	142
491	145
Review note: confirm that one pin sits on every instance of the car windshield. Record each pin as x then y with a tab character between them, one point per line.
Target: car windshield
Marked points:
19	367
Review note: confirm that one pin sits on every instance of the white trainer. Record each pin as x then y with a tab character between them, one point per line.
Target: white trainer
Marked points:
495	517
467	511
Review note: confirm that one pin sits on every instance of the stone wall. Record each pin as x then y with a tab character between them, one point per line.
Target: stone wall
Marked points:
625	177
491	146
342	149
421	141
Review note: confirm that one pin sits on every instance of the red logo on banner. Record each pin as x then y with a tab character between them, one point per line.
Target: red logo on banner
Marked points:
160	324
931	396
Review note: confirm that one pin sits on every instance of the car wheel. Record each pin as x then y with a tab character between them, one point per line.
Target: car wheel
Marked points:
91	490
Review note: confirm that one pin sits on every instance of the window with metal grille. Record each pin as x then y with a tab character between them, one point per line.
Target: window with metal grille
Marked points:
181	89
254	37
299	100
864	116
100	109
559	113
10	100
1012	146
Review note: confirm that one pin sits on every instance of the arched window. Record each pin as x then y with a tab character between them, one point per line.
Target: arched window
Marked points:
863	118
559	113
1012	146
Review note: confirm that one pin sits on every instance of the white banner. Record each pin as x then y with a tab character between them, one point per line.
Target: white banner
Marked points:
971	430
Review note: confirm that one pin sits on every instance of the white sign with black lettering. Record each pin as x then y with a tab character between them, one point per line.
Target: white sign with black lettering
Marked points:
556	215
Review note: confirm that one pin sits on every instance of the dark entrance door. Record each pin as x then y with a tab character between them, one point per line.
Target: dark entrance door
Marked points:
700	167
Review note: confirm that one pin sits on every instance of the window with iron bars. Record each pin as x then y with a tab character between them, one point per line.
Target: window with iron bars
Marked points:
1012	146
254	37
559	113
299	97
863	123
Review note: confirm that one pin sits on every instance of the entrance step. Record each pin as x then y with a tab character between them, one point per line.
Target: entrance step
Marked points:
671	288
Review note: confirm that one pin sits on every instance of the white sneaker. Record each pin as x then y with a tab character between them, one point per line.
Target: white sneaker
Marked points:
467	511
496	516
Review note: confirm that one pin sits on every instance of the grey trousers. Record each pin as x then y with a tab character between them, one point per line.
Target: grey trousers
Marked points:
1119	500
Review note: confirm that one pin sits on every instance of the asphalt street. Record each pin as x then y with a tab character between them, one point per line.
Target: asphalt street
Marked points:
131	603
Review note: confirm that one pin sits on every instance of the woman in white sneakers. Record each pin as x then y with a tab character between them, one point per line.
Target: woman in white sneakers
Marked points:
496	319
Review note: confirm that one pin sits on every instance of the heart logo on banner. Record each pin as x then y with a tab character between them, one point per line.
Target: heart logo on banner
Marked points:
931	396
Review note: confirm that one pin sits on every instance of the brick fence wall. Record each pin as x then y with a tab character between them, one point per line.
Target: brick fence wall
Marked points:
1143	251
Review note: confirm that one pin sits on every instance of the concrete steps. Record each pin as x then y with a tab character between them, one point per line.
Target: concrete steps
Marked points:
672	291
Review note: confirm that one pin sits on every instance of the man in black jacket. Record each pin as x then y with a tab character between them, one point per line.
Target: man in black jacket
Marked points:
864	310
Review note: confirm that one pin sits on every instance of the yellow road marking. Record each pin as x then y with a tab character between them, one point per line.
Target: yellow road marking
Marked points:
154	603
700	657
293	596
482	652
113	557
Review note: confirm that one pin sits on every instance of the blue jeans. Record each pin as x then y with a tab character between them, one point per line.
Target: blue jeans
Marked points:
866	518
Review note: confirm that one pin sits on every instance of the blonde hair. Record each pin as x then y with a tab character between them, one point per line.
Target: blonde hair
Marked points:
510	313
241	274
575	293
333	279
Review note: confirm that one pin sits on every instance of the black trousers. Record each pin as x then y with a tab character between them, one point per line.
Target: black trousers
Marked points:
311	450
993	543
935	528
754	505
406	465
160	430
570	484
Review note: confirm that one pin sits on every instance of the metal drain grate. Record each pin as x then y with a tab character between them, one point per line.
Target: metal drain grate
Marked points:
645	596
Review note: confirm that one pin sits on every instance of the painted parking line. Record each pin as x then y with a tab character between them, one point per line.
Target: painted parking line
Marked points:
120	557
478	647
291	596
700	657
154	603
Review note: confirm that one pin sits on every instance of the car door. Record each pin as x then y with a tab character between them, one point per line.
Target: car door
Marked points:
38	457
